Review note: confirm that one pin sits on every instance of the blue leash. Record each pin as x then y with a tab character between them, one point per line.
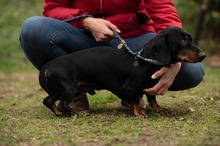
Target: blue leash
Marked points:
136	54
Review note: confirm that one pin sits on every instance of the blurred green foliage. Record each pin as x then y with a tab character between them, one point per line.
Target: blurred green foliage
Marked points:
13	13
212	21
214	5
189	10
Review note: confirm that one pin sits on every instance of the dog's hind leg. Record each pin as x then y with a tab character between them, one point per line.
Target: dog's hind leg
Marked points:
49	102
155	106
68	93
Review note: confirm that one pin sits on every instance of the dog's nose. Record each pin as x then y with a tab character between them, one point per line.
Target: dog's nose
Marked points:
202	55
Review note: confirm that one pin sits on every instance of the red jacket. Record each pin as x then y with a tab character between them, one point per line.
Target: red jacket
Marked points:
122	13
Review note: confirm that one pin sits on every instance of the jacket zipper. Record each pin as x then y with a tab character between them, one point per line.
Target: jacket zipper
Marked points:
100	6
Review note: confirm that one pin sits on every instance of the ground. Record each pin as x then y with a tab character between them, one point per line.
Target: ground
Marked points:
25	121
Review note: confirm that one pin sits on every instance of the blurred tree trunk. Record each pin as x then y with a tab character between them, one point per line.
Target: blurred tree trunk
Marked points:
201	18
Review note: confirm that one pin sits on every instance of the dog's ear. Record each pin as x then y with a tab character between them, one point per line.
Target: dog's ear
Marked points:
158	50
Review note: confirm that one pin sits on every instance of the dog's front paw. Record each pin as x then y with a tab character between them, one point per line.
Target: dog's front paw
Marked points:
83	113
126	104
139	111
162	111
142	114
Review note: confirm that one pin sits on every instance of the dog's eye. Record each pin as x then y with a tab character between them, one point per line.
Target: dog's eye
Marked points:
183	42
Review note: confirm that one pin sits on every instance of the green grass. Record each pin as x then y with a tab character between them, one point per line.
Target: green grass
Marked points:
25	121
13	13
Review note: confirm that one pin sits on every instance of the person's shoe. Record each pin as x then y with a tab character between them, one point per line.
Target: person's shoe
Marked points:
80	105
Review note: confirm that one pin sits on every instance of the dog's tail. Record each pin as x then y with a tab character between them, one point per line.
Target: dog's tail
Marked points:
43	80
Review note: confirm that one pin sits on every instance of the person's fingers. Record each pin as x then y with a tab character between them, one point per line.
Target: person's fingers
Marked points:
167	77
111	26
156	90
158	73
153	90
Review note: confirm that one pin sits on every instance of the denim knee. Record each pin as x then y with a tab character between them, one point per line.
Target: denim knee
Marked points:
190	75
29	24
198	78
28	30
34	40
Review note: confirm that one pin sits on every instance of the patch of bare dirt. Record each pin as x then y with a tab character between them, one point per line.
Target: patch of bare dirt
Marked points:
148	139
11	85
89	142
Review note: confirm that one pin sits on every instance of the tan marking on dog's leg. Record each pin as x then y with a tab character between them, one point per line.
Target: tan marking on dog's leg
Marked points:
56	111
139	111
49	102
126	104
156	107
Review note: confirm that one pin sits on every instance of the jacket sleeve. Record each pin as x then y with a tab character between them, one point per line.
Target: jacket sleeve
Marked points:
163	13
61	9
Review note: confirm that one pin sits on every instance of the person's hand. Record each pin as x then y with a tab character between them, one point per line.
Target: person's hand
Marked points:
101	29
167	77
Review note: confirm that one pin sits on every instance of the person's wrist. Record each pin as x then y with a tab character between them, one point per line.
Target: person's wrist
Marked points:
86	22
177	66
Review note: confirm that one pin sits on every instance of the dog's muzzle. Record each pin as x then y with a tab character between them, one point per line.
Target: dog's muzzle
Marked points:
201	55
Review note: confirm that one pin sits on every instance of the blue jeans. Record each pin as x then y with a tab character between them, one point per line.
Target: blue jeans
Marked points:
43	39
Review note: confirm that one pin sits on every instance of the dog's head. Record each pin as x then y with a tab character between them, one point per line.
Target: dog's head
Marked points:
173	45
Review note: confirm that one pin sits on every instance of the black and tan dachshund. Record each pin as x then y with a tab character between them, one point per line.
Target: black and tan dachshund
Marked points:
116	70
